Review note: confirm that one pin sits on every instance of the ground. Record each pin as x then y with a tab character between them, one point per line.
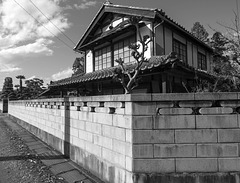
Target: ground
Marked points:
17	162
24	158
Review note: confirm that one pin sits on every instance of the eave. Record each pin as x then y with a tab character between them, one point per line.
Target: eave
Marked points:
146	13
157	63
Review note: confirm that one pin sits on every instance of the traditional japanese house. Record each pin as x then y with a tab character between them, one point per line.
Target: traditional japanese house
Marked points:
108	37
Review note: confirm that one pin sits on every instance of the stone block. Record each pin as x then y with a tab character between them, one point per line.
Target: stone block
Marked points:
153	165
129	164
95	128
73	108
129	136
217	150
165	104
73	132
172	96
115	104
230	103
79	124
93	104
119	134
143	151
114	132
122	147
174	122
216	96
74	114
153	136
196	136
102	110
93	149
174	150
141	108
196	165
139	97
108	155
229	164
119	110
229	135
195	103
107	142
78	142
102	118
175	111
85	116
113	157
85	109
123	121
216	121
216	110
142	122
87	136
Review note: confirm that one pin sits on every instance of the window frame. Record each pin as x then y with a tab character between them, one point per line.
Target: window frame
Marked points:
112	55
182	53
201	61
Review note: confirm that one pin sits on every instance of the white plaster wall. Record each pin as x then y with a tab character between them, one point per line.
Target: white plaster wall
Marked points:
146	30
89	61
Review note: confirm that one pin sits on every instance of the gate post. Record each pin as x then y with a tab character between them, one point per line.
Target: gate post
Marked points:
5	105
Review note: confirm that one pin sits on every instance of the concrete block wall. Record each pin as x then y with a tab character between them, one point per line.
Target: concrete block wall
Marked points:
186	133
94	131
118	137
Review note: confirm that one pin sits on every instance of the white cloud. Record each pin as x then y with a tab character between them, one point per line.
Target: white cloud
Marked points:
85	4
22	35
8	68
38	47
62	74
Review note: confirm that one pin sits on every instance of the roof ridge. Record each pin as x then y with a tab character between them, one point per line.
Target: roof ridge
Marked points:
130	7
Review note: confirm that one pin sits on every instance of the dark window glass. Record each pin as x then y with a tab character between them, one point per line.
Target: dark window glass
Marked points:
103	56
202	61
180	49
122	50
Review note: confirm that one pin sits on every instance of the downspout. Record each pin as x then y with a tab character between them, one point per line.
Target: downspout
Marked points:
154	37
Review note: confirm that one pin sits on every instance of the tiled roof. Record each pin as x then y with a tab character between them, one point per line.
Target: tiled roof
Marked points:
155	62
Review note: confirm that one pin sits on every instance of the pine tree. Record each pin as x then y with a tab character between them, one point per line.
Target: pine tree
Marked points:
199	31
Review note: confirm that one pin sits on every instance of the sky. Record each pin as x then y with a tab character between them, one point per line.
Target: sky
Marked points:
37	37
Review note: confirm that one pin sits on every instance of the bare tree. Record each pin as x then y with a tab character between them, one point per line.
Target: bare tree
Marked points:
129	80
233	37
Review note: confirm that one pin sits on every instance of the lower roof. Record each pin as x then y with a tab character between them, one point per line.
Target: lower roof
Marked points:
155	62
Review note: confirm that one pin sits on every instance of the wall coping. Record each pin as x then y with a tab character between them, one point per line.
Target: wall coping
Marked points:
144	97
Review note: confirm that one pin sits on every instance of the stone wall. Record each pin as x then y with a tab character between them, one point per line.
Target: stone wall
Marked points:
152	137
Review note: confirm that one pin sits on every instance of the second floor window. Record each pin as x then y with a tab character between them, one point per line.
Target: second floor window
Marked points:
202	61
122	50
180	49
103	58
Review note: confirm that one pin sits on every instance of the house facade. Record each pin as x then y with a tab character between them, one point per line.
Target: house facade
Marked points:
108	37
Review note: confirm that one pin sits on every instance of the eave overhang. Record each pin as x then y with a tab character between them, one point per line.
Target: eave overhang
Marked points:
155	63
147	14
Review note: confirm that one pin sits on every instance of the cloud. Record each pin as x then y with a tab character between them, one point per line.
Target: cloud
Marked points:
40	46
62	74
7	68
85	4
21	34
